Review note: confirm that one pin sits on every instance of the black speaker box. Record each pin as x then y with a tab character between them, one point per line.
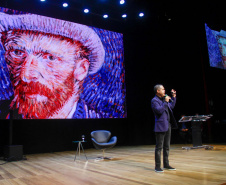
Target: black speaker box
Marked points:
13	153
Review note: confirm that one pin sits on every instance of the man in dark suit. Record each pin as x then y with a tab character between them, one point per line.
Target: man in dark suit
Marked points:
162	106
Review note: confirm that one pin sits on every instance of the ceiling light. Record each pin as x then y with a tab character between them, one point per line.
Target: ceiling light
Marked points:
105	16
124	16
141	14
86	10
65	5
122	1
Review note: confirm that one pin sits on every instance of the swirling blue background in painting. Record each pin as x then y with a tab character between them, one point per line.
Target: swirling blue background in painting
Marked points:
6	89
105	91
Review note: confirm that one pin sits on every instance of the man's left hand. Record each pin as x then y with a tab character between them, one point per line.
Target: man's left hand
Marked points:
173	92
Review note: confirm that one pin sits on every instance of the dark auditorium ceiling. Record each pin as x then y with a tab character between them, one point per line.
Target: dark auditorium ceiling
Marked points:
160	10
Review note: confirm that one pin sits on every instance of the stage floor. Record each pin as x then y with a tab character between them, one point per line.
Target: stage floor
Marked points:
130	165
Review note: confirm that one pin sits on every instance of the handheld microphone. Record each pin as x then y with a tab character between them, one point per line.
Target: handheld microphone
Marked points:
169	99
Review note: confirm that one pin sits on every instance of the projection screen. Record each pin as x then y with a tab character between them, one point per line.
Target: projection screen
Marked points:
216	43
56	69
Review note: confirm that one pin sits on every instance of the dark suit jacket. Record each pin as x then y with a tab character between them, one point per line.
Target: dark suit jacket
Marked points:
159	108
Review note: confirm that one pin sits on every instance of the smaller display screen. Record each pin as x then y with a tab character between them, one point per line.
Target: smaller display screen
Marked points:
216	42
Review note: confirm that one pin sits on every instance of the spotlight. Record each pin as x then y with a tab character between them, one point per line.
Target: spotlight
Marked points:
86	10
105	16
65	5
141	14
122	1
42	0
124	16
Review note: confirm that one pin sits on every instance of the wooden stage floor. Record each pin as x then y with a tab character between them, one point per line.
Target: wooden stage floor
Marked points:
130	165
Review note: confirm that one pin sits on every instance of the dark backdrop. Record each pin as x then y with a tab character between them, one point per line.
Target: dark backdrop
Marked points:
167	46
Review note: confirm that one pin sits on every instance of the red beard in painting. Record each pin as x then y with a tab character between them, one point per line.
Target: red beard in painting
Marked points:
35	108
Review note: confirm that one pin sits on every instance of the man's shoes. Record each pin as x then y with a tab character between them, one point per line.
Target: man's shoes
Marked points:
158	170
170	168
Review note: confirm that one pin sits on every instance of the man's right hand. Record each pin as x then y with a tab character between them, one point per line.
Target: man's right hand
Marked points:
167	98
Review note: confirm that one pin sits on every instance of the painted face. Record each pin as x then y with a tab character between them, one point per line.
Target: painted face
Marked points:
222	46
41	70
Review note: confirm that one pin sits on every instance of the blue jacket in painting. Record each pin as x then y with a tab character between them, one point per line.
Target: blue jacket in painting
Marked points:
161	110
85	111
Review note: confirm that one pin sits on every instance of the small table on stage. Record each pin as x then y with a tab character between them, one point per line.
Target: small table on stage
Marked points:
196	130
79	148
